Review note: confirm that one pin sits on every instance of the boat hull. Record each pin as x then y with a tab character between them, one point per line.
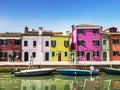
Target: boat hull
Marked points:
110	71
34	72
77	72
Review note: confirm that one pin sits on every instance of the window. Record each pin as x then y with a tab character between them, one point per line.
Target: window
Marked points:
95	42
116	53
80	31
25	43
113	30
115	41
95	31
53	43
46	43
34	43
66	54
104	42
3	54
3	42
46	88
95	53
16	54
33	54
80	53
17	42
53	54
66	43
53	87
80	43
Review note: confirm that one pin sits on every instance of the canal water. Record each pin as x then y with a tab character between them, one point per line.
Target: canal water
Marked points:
60	82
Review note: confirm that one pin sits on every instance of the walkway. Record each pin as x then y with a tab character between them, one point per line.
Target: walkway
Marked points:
63	63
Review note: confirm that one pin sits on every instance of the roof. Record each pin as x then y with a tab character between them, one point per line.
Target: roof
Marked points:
109	33
47	33
10	34
31	33
110	28
87	25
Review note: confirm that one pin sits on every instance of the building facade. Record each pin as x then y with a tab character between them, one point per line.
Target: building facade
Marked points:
10	46
32	45
105	47
114	40
59	49
46	34
87	42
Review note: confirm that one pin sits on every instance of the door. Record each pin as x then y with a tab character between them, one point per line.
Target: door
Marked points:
46	56
88	56
10	56
26	56
72	56
104	56
59	56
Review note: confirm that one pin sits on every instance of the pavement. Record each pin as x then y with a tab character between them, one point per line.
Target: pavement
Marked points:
62	63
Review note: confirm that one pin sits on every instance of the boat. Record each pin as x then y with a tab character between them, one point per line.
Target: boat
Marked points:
77	72
33	72
113	71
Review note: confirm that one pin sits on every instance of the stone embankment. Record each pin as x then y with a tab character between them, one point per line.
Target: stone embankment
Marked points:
63	64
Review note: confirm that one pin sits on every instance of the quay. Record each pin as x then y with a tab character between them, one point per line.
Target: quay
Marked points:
61	64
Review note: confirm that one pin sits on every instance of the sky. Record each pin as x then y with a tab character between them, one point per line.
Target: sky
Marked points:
57	15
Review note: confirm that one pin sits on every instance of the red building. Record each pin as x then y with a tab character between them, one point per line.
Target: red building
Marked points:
10	46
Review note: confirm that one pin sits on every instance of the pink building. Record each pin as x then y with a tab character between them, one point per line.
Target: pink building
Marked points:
86	42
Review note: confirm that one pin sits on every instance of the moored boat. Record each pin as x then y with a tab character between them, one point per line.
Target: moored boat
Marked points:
34	72
113	71
77	72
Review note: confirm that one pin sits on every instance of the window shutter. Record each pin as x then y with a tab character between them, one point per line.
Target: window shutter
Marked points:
64	43
5	54
52	43
55	43
67	43
82	43
98	42
93	42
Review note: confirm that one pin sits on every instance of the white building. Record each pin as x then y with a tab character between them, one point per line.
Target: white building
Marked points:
32	45
46	45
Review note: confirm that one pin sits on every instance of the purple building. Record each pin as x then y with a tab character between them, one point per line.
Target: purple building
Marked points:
86	42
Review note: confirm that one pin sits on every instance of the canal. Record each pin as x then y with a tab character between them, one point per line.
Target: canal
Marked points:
60	82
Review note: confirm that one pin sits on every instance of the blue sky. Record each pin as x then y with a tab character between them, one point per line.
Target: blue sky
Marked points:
57	15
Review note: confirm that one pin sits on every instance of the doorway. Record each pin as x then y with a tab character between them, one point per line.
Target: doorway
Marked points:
46	56
59	56
88	56
104	56
10	56
26	56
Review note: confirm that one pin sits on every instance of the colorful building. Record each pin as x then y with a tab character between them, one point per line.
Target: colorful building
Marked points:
114	39
115	46
46	44
59	49
86	42
32	45
10	46
105	46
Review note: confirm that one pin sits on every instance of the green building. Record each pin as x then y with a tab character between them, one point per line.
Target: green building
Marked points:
105	47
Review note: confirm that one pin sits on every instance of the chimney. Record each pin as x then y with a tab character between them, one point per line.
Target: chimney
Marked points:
40	30
33	30
26	29
101	29
72	27
67	33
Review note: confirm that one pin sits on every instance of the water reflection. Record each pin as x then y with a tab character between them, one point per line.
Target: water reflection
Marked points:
60	82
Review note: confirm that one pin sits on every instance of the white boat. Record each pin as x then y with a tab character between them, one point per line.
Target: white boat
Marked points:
34	72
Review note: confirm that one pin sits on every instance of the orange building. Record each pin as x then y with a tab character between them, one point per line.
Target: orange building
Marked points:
114	44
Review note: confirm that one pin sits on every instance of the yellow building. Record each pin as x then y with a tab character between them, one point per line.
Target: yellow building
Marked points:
60	47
